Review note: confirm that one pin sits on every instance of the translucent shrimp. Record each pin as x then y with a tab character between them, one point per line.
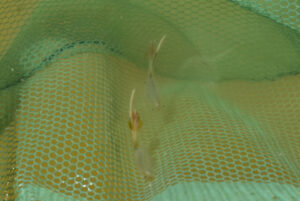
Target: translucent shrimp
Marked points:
150	87
142	156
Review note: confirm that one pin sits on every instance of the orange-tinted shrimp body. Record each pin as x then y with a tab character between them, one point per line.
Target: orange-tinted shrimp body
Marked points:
135	122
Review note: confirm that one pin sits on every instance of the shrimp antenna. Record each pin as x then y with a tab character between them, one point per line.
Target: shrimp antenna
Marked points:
160	43
131	103
159	46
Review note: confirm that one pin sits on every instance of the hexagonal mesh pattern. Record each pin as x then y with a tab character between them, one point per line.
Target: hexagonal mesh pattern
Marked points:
283	11
228	79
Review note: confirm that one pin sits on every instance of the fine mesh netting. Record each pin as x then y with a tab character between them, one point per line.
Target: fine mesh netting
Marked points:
228	127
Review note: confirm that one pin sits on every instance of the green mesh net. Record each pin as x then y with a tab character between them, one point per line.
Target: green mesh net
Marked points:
227	74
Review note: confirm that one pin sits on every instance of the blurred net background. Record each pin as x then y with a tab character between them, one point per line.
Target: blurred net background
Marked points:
228	78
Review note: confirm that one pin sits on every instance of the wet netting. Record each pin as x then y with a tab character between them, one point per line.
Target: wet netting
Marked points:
225	124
